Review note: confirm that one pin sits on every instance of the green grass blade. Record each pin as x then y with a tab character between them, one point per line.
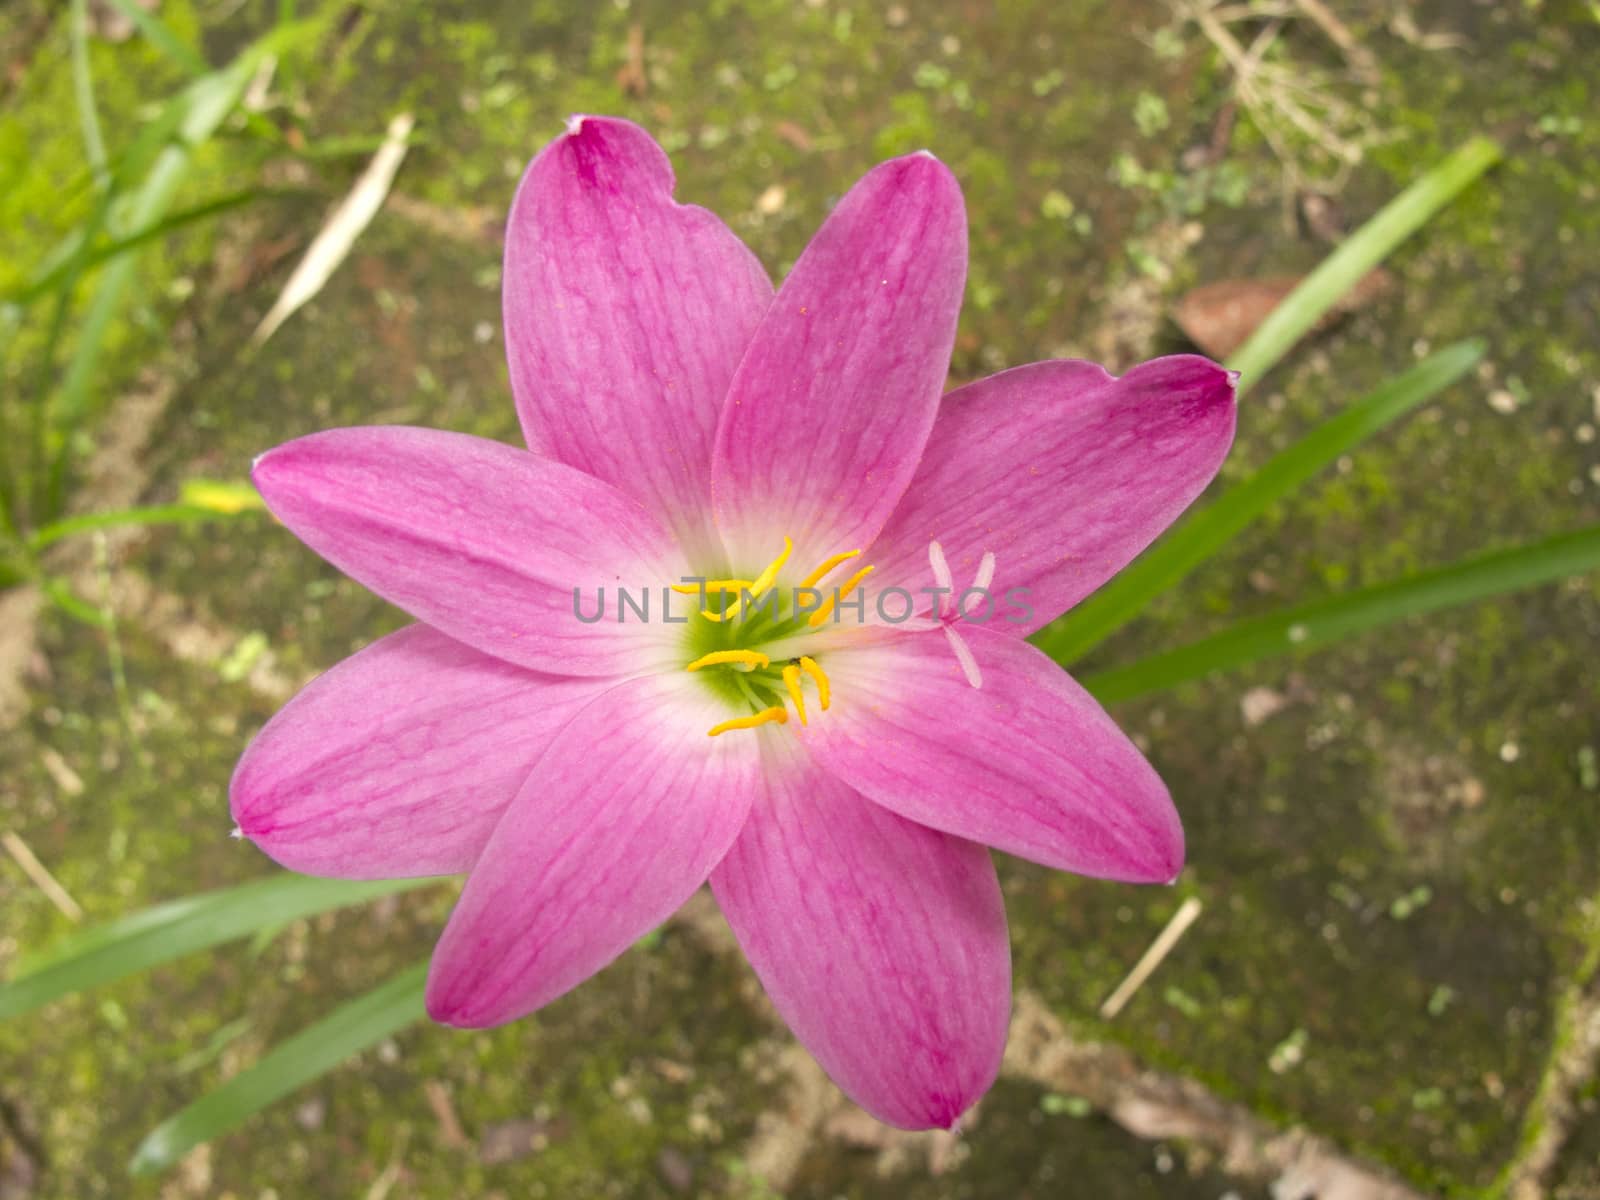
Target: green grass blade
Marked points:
157	514
168	931
126	169
200	110
203	106
1307	627
94	143
1202	534
206	104
81	258
312	1052
1357	255
160	35
59	592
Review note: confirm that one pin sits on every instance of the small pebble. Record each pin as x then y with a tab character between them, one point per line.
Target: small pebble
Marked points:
771	200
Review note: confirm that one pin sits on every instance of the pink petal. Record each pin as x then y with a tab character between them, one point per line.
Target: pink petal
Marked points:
882	944
828	413
626	314
1028	763
480	540
615	828
400	760
1061	470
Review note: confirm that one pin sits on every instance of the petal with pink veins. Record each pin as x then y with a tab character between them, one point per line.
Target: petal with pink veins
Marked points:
1061	470
617	825
626	314
827	415
1029	763
882	943
400	760
482	541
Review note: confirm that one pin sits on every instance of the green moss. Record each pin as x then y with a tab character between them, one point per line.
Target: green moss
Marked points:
1301	992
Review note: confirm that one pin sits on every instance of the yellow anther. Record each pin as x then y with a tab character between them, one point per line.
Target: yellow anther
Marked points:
849	585
769	573
767	716
828	564
711	585
791	680
750	660
809	666
768	576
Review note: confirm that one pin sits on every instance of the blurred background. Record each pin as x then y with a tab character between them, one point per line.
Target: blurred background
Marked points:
1390	987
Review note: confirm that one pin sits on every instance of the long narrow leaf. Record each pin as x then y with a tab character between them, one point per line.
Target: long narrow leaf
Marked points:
1201	535
199	111
59	592
307	1055
1307	627
168	931
94	143
160	35
127	167
80	258
1358	254
159	514
206	103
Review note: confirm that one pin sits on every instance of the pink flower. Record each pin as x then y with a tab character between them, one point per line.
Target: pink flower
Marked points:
684	422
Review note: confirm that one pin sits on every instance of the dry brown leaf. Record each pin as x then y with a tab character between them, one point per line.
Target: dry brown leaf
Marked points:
1220	317
332	243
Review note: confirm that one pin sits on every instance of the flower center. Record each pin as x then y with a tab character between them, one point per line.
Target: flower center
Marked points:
739	615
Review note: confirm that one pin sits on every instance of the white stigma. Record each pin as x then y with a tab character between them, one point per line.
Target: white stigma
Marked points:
985	575
969	665
947	606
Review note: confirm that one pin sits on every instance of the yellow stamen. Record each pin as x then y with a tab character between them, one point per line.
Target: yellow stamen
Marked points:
768	576
809	666
791	680
748	659
769	573
821	615
711	585
767	716
828	564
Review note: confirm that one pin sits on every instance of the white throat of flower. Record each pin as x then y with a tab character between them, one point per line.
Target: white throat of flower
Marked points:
763	684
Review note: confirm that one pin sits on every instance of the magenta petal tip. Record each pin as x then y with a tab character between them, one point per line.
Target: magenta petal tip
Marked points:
442	1010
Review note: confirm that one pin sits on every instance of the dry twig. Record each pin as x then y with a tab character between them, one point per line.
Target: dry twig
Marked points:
42	879
1175	928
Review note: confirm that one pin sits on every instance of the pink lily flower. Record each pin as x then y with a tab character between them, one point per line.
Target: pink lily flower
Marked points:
834	768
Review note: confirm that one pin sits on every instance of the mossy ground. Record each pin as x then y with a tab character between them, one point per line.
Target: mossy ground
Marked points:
1391	864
